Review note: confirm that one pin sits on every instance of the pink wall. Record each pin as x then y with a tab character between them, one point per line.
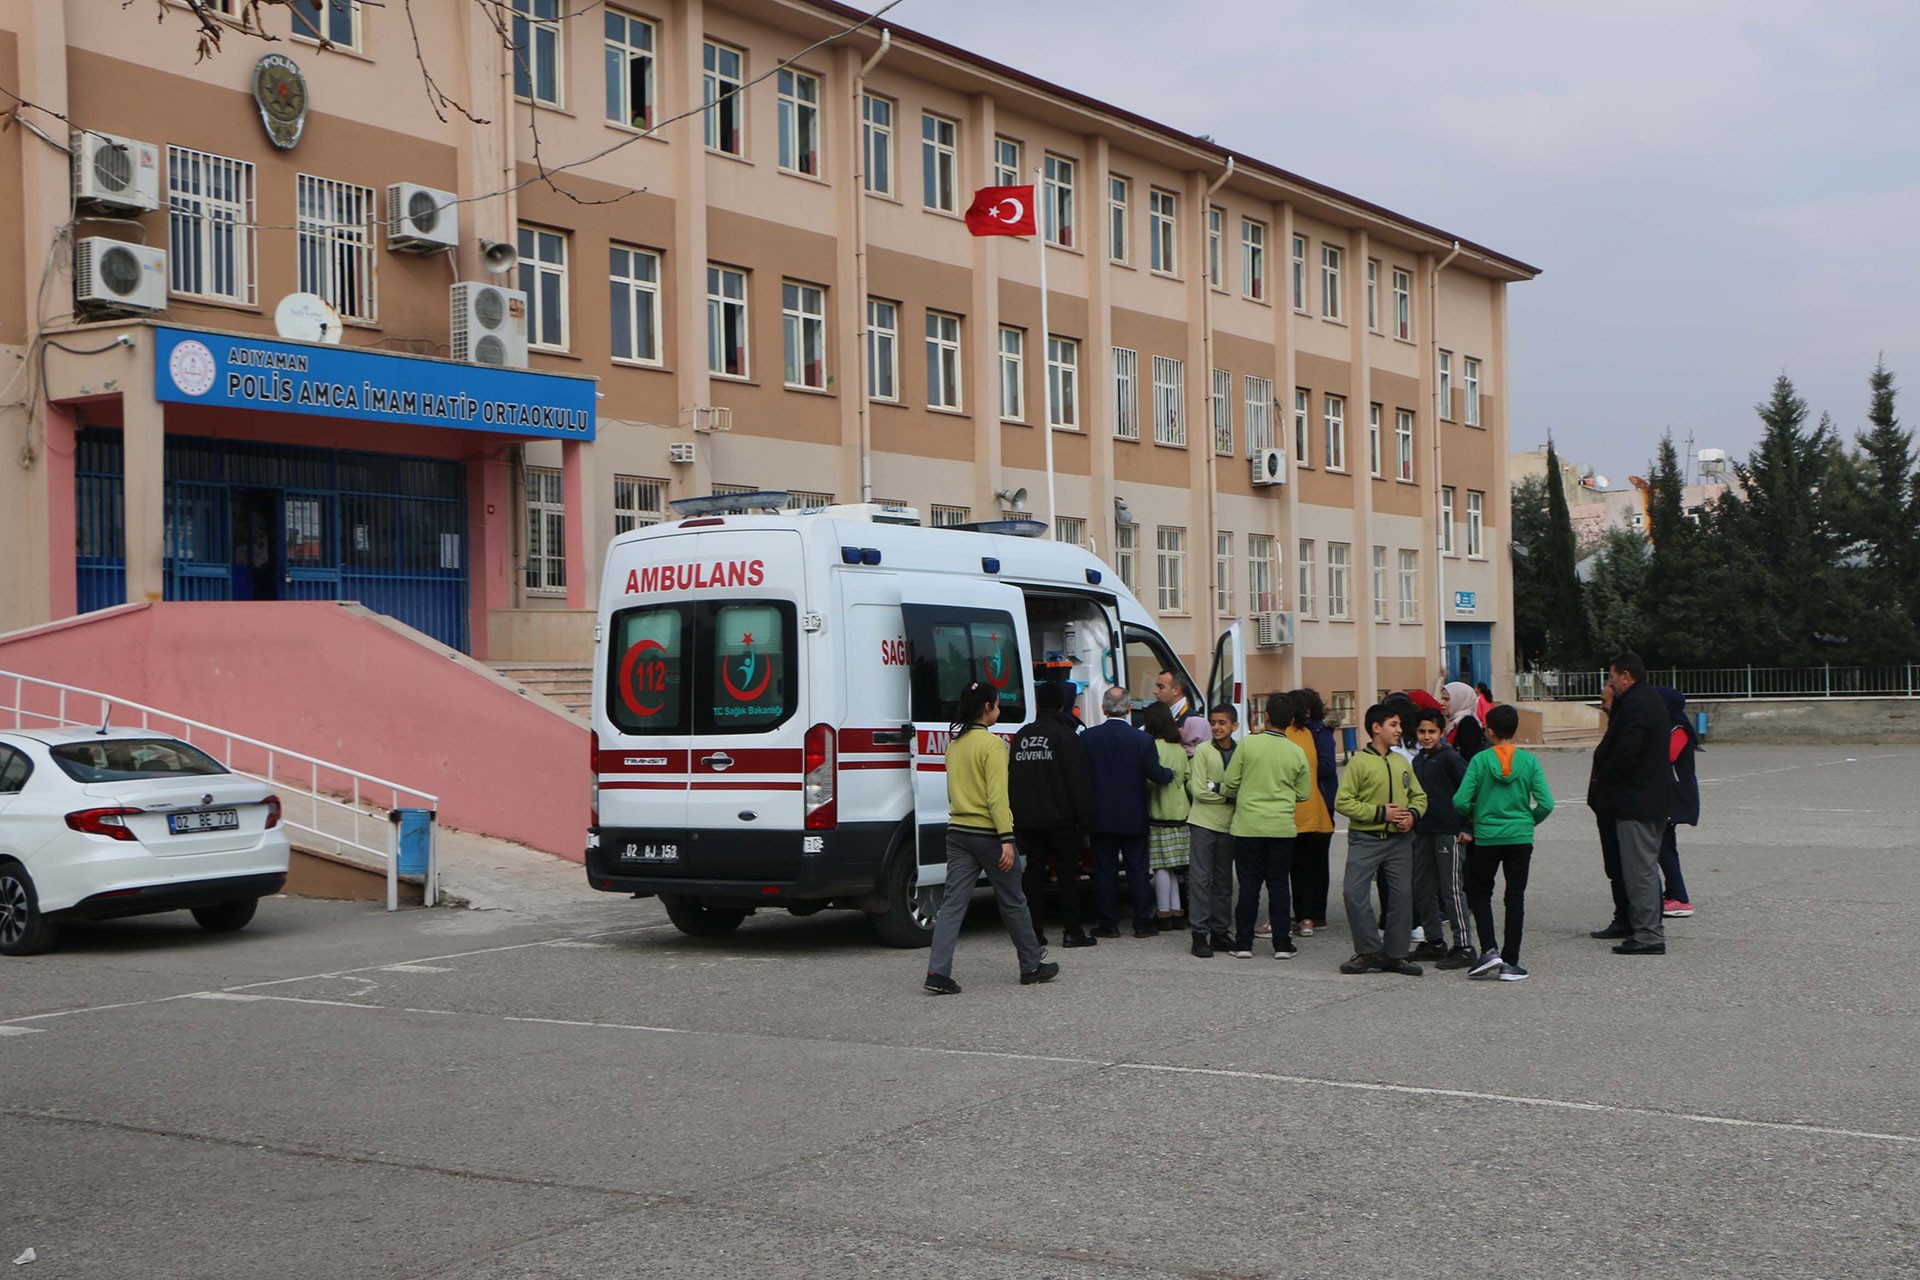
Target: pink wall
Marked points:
332	681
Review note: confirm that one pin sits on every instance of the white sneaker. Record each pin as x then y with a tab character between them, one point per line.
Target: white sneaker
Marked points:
1419	934
1046	954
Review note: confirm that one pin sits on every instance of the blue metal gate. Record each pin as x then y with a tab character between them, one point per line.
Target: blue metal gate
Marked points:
264	521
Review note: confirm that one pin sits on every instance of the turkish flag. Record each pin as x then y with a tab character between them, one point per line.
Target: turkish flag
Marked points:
1002	211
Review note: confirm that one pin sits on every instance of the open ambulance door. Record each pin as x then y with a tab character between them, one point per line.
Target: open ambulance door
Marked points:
1228	680
958	630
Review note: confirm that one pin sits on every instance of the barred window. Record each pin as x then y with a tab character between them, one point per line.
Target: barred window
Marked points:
210	203
1222	412
948	517
335	244
546	532
638	502
1169	395
1259	415
1126	393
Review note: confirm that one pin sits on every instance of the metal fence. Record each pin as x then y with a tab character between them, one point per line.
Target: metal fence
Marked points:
1901	681
337	809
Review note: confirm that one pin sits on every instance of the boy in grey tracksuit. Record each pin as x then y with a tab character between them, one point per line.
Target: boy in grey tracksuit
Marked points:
1439	890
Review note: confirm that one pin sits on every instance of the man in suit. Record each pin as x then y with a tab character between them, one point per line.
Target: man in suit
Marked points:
1633	786
1121	762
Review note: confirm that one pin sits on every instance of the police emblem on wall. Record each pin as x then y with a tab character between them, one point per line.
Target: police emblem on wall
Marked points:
281	92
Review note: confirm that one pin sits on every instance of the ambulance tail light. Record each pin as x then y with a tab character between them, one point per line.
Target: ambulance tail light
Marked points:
818	788
593	773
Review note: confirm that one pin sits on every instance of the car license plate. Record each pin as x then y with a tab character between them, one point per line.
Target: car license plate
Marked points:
650	851
186	824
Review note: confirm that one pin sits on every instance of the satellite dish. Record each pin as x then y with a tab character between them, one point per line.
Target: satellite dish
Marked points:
307	317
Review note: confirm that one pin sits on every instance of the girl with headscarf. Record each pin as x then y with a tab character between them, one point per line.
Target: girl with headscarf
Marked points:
1464	733
1681	744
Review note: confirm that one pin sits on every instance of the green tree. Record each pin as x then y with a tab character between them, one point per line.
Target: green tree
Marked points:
1567	642
1529	585
1685	625
1881	505
1617	595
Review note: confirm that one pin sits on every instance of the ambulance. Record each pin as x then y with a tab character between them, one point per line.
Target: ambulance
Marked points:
773	696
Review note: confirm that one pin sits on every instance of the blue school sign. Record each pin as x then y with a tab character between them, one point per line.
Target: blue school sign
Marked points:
196	367
1464	601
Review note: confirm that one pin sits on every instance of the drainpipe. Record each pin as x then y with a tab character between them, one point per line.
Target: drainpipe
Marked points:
1210	619
860	257
1433	363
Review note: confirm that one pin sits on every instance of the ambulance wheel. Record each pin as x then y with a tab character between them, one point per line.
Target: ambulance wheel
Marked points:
696	921
910	912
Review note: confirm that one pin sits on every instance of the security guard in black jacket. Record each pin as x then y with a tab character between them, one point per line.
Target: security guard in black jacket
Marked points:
1051	794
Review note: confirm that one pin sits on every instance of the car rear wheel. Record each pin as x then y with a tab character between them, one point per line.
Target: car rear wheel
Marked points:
907	920
23	930
226	917
696	921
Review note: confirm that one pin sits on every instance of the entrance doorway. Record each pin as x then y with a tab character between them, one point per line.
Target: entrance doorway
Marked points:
257	550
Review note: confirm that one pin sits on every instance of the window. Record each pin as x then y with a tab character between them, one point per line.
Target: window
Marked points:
803	325
337	22
1380	584
1262	573
1125	554
638	502
950	647
745	644
948	517
1013	378
1471	376
1216	220
1409	586
1341	709
1330	259
1169	396
1299	273
1163	209
1403	304
536	50
939	138
1446	385
1253	259
722	80
546	532
1223	574
1171	561
883	350
634	283
629	59
877	134
807	500
1373	440
799	115
1476	517
943	360
1302	398
15	769
336	244
1007	169
1259	416
1058	201
1403	442
1223	412
726	321
543	278
210	238
1306	577
1373	294
1119	200
1339	563
1335	416
1126	393
1071	530
1063	382
1446	520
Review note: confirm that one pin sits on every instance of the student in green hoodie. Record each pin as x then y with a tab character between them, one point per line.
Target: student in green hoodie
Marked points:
1503	797
1381	799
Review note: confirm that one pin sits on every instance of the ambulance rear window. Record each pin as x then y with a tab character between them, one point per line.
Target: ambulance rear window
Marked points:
710	667
949	647
647	691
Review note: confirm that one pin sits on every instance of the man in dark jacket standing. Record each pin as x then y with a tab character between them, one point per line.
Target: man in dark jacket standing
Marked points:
1633	785
1121	761
1052	804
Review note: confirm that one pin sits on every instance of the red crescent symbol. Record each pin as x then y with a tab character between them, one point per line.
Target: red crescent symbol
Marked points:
986	669
766	674
626	678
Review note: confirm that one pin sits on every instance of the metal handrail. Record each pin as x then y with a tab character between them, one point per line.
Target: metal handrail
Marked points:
1891	680
319	802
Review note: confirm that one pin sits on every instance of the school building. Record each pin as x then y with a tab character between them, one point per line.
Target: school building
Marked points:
257	347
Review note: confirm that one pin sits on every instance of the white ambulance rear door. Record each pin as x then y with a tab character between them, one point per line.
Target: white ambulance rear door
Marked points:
958	630
1228	680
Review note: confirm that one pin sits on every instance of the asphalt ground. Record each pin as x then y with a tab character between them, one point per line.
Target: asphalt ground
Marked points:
339	1092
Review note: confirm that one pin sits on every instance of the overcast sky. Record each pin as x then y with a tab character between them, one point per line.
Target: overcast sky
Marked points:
1717	191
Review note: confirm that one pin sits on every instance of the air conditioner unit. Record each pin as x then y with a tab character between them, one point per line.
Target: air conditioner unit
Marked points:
115	173
112	277
680	451
1269	467
421	219
1273	628
489	325
712	417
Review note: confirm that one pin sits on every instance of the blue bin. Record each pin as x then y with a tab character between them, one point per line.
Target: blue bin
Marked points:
1350	738
1700	725
416	827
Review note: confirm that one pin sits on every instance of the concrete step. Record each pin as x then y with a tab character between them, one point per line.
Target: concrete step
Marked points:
569	684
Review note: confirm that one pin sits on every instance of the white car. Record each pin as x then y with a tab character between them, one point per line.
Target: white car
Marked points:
97	824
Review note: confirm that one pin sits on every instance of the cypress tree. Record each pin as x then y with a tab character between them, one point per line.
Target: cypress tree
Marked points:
1881	507
1567	643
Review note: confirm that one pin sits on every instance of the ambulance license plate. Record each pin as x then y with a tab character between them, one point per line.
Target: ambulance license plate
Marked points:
650	851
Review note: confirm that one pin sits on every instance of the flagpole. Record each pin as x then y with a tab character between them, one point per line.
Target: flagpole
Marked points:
1046	352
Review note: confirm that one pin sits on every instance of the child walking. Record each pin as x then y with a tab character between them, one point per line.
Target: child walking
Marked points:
1167	808
1502	798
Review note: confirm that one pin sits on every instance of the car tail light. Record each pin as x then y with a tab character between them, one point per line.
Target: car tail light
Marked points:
593	775
273	811
822	761
111	823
